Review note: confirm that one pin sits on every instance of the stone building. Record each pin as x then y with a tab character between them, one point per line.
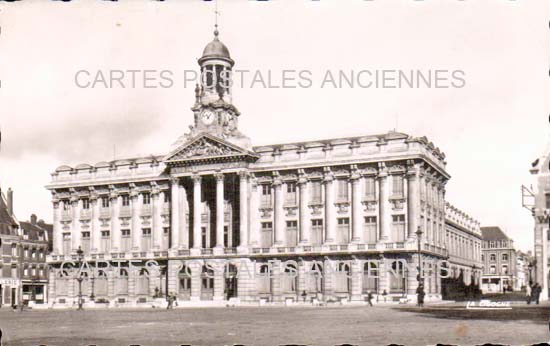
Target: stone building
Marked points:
540	169
214	218
524	270
464	242
34	243
499	260
9	261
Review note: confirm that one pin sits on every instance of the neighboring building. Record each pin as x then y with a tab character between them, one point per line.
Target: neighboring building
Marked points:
499	260
540	169
9	262
524	269
34	242
216	199
463	238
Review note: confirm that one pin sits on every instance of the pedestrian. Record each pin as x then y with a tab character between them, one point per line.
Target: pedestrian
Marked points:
528	293
170	302
304	295
536	292
420	295
369	298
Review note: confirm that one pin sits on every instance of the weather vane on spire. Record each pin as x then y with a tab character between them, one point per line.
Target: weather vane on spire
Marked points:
216	14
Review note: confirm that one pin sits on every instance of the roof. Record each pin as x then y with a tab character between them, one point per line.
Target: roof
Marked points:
493	233
34	231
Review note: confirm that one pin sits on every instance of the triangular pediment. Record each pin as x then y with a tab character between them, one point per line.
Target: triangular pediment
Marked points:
208	148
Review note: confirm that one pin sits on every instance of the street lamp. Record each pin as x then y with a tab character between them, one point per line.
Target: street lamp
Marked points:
419	242
79	278
530	266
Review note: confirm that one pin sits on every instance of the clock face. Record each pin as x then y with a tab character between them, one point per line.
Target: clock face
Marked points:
207	117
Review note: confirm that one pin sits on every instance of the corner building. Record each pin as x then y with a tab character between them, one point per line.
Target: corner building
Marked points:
215	198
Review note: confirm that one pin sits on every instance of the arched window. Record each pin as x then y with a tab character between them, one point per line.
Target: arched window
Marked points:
289	278
314	278
207	283
263	280
121	282
397	276
184	279
231	277
342	277
370	277
142	282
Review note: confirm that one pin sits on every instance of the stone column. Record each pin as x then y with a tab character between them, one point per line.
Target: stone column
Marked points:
95	237
304	212
382	205
220	212
330	230
243	204
413	200
115	222
254	225
356	272
197	211
183	224
136	220
57	229
75	236
157	222
356	210
175	214
279	213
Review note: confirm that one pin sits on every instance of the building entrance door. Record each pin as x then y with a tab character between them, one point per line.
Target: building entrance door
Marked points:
230	288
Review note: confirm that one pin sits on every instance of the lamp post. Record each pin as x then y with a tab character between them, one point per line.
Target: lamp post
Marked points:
92	296
530	266
80	255
419	250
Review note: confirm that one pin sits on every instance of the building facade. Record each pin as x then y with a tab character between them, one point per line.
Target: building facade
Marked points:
524	270
464	242
540	209
34	242
499	261
217	219
10	282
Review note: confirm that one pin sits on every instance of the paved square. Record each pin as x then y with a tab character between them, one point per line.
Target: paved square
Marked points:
271	326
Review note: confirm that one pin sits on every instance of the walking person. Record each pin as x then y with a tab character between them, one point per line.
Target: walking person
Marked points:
170	302
528	293
369	298
536	292
420	295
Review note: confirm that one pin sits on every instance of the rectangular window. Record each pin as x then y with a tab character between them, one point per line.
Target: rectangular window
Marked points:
370	229
125	232
398	228
125	200
316	232
266	237
225	236
370	189
85	235
85	203
166	197
266	195
290	197
166	230
66	205
343	230
146	198
316	192
105	234
548	201
204	238
146	231
105	202
292	233
397	185
342	185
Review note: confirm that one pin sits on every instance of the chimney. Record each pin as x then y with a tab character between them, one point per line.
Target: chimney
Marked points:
10	201
33	219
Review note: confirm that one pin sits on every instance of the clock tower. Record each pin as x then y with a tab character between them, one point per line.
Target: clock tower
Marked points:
214	112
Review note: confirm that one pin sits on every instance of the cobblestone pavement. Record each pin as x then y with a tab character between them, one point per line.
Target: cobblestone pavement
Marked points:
271	326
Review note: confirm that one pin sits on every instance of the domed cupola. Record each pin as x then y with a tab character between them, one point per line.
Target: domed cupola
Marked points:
216	65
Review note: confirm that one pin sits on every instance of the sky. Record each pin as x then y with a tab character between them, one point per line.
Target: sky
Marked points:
491	129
